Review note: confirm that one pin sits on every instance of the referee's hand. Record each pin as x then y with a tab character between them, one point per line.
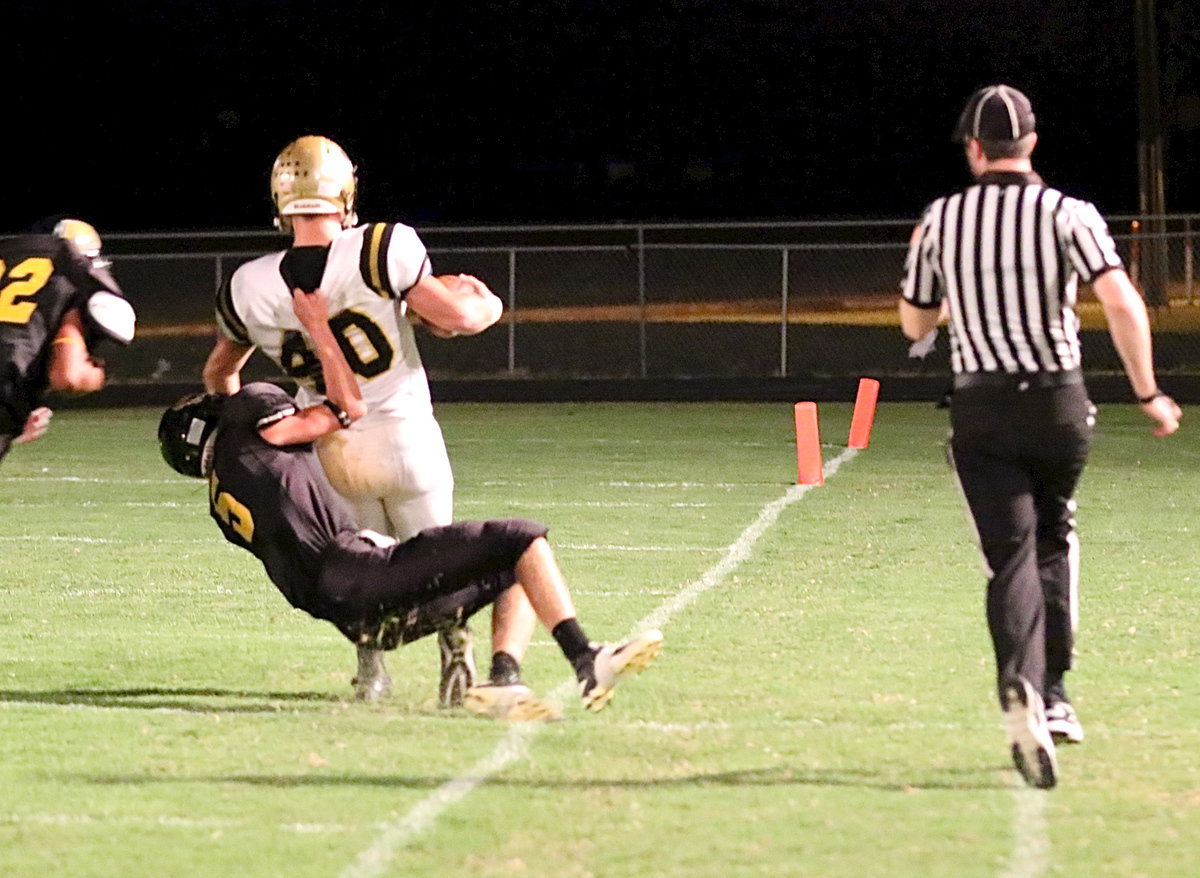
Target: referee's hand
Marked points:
1166	411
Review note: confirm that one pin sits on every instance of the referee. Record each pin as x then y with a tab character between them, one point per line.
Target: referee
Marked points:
1002	261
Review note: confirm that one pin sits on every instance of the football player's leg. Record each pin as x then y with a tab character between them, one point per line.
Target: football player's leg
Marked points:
421	494
408	515
598	667
423	497
513	623
340	456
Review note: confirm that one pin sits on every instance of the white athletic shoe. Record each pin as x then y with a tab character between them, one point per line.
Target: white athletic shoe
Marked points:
606	667
1063	724
372	681
1025	723
513	703
457	648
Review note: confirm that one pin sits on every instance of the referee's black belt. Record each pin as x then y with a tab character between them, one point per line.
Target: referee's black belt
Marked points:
1017	380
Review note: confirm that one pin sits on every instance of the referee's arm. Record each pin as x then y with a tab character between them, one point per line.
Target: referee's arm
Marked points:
1129	326
917	322
919	285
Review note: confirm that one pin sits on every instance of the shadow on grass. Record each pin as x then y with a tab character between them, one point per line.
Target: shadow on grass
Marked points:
192	700
974	778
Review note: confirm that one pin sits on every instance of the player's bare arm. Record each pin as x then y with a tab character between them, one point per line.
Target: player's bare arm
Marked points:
222	369
455	304
1129	326
72	369
344	403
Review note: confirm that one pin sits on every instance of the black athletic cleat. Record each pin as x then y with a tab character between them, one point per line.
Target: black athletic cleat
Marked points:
1025	723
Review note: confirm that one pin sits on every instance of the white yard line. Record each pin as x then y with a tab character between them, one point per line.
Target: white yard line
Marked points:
99	480
1030	855
166	822
375	859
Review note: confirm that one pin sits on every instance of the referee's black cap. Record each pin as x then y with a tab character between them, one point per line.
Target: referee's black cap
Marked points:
995	112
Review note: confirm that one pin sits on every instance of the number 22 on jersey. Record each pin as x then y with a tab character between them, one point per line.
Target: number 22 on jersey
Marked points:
22	283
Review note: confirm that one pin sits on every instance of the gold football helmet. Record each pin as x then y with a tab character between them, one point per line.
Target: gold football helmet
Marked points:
313	175
85	238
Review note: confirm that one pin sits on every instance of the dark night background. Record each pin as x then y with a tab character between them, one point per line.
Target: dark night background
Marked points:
167	116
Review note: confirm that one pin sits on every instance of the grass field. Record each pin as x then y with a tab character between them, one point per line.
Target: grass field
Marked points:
823	705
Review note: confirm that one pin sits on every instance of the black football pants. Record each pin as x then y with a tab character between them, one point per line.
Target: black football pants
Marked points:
8	430
1019	454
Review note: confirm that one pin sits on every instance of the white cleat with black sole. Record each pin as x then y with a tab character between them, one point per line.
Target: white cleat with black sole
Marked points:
1063	724
610	663
1028	735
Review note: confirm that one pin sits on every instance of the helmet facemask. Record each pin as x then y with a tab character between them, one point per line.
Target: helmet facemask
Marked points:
187	432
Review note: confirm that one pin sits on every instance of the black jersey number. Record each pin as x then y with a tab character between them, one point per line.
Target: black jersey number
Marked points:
23	282
361	339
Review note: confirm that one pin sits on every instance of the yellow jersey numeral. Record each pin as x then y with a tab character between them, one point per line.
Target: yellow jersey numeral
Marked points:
23	282
235	515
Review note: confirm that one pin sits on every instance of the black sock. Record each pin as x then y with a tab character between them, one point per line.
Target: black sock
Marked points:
571	640
506	670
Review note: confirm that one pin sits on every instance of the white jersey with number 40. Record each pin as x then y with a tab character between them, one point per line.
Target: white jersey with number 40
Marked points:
368	271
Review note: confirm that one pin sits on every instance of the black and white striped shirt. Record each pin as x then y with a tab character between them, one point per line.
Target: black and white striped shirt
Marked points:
1008	253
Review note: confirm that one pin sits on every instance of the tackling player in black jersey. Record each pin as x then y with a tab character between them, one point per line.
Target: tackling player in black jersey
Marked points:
57	301
269	494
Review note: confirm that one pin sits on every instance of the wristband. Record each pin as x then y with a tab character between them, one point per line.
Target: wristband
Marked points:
1146	400
338	412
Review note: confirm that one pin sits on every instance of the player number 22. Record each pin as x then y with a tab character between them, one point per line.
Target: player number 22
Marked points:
23	282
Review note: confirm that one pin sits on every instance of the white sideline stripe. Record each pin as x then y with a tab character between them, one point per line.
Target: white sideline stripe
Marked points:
608	547
41	538
100	481
579	547
685	484
492	483
92	504
1030	856
596	440
679	728
162	821
505	483
593	504
376	858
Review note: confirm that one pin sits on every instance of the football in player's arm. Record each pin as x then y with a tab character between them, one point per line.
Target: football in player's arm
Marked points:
268	495
466	307
392	466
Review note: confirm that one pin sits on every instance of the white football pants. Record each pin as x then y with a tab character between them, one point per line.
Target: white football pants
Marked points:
395	472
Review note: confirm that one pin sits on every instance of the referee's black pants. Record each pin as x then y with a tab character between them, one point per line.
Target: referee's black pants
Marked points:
1019	451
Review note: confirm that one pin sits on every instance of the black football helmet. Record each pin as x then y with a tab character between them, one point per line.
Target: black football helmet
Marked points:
184	431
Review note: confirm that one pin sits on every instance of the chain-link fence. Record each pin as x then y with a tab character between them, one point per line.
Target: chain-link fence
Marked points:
665	301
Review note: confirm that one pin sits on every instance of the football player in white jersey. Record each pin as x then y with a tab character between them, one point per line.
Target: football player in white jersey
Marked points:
392	464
